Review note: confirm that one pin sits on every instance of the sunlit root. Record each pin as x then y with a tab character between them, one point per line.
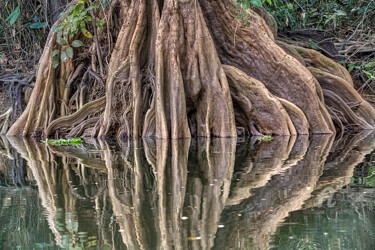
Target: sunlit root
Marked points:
5	117
315	59
348	116
77	117
298	118
347	93
259	107
164	77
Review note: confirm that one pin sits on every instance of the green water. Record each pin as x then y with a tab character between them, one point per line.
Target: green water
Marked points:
288	193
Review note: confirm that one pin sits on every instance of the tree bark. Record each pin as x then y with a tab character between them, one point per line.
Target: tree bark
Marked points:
180	69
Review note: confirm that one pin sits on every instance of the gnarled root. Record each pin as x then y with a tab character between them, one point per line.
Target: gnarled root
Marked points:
5	117
166	78
347	93
256	106
77	117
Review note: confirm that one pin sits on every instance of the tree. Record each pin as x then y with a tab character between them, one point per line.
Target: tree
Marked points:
178	69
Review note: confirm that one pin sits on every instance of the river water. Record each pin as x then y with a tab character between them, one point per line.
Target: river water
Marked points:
288	193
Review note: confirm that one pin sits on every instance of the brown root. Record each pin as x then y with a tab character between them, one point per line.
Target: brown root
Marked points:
347	93
77	117
5	117
317	60
256	106
180	69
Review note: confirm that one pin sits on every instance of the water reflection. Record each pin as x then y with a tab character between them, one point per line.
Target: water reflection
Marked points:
183	194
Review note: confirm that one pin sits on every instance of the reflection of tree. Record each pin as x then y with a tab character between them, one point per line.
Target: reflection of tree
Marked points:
12	168
257	162
184	194
131	185
345	155
63	186
253	221
152	203
211	167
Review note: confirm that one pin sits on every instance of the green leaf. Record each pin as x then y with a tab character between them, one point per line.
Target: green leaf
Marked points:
100	23
85	32
77	43
38	25
91	8
69	52
12	18
63	56
61	40
313	44
351	67
88	19
369	66
55	53
55	61
269	2
246	5
257	3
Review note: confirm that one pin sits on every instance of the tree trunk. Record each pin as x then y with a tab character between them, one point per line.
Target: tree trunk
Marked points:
179	69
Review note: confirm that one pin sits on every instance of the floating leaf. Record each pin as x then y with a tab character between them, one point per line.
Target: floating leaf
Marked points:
38	25
77	43
69	52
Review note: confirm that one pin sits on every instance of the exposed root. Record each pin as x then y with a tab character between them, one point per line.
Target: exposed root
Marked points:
317	60
347	93
256	106
349	117
77	117
165	78
6	118
297	116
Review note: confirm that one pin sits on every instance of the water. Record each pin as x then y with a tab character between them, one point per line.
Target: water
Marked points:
289	193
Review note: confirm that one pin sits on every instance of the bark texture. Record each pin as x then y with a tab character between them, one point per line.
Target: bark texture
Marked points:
180	69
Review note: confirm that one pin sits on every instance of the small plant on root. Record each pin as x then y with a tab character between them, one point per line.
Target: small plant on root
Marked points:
63	142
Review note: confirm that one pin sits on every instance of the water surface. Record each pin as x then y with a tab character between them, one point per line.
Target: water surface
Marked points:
290	193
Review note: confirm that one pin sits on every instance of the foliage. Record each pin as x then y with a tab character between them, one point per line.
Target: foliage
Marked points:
23	30
265	138
76	19
63	142
323	14
370	179
246	4
365	70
